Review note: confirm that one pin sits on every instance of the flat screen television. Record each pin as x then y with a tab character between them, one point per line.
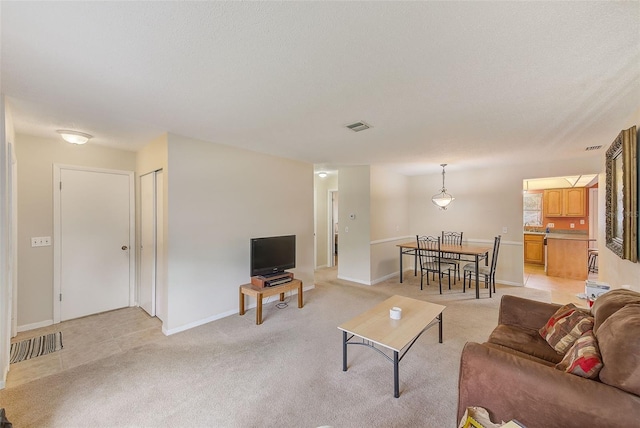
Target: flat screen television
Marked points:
272	255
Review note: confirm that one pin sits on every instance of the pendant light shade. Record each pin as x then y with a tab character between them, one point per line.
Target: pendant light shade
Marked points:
442	199
74	137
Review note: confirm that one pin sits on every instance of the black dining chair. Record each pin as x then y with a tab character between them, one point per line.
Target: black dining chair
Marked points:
488	272
452	238
431	260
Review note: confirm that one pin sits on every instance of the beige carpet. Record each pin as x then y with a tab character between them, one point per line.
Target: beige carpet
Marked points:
286	372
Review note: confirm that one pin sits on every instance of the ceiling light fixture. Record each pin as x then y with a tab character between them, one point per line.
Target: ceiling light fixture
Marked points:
442	199
322	174
74	137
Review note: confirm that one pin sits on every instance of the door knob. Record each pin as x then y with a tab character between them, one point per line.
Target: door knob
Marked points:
124	247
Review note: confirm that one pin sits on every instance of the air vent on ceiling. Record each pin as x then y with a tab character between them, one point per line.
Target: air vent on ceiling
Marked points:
593	148
358	126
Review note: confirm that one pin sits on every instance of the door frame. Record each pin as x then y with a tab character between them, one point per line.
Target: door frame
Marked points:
331	233
593	216
57	250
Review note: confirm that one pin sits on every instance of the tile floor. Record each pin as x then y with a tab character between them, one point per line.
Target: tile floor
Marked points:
86	339
93	337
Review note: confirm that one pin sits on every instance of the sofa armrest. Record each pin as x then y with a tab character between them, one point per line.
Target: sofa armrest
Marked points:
525	313
510	387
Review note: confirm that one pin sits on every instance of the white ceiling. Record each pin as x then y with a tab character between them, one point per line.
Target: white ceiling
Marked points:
560	182
463	83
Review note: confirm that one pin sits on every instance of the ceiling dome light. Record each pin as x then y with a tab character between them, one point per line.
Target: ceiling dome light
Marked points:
442	199
74	137
322	174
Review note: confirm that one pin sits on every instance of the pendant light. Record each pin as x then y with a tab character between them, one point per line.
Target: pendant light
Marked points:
442	199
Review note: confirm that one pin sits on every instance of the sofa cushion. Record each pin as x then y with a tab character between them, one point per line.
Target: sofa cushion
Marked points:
520	354
565	327
583	358
524	340
620	348
608	303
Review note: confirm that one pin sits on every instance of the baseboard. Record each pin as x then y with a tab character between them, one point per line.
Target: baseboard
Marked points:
498	281
33	326
198	323
169	332
386	277
344	278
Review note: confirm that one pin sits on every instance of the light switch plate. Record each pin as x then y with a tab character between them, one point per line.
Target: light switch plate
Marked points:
41	241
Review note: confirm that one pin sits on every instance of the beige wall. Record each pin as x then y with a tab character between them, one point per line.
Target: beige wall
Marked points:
354	245
220	198
611	268
322	186
389	221
487	200
36	157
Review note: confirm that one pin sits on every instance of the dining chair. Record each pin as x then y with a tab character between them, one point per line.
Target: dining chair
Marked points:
431	260
452	238
488	272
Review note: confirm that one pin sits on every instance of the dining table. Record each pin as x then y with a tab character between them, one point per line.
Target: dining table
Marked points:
478	252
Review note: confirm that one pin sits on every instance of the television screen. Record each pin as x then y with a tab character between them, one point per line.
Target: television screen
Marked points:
272	255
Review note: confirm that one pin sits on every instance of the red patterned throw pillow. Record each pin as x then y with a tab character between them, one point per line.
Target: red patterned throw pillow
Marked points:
565	327
583	359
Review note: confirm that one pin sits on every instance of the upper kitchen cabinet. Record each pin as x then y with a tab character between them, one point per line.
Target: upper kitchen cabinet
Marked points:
565	202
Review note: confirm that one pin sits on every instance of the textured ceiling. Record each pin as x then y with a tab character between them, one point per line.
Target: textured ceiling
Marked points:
463	83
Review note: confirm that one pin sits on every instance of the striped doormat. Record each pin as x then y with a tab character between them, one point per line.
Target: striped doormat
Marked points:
34	347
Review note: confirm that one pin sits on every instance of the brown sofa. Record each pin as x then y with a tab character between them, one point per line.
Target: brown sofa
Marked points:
513	374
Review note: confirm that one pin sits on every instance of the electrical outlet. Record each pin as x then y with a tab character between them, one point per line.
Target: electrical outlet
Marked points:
581	221
572	225
346	229
551	225
504	229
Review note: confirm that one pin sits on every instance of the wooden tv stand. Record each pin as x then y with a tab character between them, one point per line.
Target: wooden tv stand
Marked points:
260	292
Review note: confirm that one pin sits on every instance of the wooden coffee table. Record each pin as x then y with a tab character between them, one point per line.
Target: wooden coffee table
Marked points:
375	327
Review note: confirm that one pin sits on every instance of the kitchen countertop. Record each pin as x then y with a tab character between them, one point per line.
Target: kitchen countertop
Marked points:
568	236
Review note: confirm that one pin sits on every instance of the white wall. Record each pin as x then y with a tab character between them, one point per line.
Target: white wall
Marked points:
487	200
355	248
36	157
322	217
7	236
389	221
219	198
611	268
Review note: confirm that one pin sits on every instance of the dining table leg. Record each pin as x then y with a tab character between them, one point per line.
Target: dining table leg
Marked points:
400	265
477	277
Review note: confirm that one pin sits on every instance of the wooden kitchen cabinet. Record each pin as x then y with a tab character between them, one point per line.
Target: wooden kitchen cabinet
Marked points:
565	202
574	202
534	248
552	203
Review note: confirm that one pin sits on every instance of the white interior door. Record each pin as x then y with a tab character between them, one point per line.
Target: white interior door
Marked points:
94	241
161	302
147	296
